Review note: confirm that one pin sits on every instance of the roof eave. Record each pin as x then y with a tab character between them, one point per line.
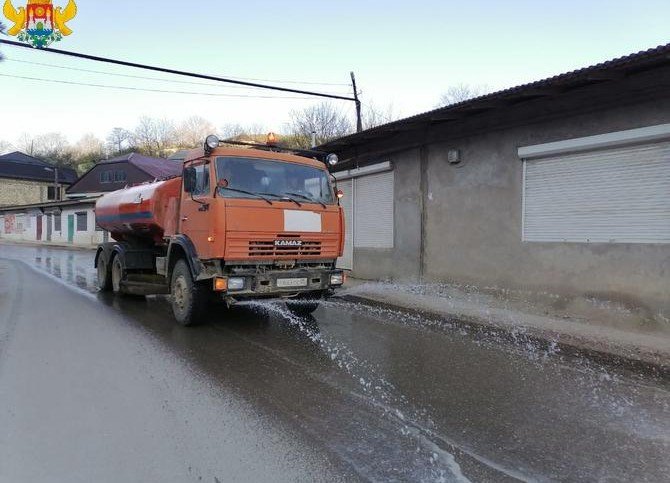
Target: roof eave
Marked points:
552	86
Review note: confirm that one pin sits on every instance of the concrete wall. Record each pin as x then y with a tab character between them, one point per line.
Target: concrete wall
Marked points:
473	219
24	192
23	227
401	262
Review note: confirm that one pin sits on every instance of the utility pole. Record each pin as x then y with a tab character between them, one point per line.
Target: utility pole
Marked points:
56	187
359	121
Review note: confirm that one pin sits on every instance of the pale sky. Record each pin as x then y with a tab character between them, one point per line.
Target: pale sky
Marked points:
404	54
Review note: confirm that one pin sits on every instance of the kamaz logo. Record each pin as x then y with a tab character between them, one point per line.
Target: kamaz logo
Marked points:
288	243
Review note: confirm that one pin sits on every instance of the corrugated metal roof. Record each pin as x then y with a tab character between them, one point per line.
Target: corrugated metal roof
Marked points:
581	77
18	165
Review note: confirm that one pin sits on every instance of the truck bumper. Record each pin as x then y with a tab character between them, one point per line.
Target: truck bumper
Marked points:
282	283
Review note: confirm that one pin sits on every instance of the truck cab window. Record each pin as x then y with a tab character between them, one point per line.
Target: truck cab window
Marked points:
273	177
201	180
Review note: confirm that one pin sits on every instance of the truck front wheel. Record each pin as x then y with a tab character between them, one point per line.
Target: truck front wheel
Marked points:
189	298
303	306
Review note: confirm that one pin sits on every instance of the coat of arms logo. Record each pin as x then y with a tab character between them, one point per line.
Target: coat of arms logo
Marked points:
39	23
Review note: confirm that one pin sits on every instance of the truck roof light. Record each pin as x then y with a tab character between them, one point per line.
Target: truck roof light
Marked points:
332	159
211	142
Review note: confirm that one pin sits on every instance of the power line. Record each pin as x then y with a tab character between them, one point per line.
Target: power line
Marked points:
341	84
78	69
127	88
178	72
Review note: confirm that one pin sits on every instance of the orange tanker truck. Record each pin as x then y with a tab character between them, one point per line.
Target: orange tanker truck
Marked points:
240	223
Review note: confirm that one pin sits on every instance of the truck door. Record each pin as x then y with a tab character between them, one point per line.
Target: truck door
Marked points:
194	214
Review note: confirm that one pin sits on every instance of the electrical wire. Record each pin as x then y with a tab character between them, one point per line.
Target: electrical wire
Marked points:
79	69
166	70
295	82
107	86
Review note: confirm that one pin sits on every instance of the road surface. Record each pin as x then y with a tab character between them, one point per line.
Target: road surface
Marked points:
98	388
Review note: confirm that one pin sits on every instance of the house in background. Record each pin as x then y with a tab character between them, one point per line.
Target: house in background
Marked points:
26	179
179	155
72	221
127	170
64	222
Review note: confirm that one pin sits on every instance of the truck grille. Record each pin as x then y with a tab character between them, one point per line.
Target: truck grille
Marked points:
263	248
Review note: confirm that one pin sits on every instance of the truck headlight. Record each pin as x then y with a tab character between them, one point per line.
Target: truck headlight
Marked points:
337	278
236	283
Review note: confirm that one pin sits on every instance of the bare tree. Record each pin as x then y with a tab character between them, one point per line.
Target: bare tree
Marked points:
324	119
462	92
154	136
374	115
89	144
25	143
118	140
88	151
51	145
236	130
6	147
231	130
193	131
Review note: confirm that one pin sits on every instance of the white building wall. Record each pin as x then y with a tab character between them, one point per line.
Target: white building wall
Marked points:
23	227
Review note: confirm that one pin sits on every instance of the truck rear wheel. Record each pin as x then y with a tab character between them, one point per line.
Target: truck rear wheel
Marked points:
116	274
104	274
189	298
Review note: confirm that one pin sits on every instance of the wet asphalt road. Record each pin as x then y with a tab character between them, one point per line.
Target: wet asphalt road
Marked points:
98	388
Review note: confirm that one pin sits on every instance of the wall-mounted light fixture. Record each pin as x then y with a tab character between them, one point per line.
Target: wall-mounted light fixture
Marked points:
454	156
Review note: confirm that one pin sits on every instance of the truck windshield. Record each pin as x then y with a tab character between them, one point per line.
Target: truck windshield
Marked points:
270	177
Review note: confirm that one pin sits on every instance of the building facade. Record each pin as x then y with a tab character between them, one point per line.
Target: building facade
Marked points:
69	222
562	185
25	179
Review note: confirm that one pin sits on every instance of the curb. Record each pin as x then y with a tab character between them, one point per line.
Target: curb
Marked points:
45	245
573	346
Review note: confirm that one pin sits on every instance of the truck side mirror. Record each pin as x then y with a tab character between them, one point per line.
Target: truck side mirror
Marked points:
189	179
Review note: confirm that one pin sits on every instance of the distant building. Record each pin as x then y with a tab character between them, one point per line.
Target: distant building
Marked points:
127	170
66	222
179	155
26	179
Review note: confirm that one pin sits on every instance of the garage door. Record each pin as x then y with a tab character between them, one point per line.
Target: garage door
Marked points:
373	211
618	195
347	203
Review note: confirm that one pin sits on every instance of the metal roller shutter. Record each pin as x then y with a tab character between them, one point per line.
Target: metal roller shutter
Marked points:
373	211
347	259
617	195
